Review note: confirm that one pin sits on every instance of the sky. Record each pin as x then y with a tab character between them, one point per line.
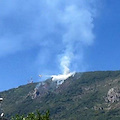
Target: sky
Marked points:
52	37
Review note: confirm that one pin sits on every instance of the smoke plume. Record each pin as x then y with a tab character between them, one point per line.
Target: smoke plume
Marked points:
78	21
61	29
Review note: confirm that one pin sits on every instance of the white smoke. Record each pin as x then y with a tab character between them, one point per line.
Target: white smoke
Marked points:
65	63
78	22
61	29
77	19
61	78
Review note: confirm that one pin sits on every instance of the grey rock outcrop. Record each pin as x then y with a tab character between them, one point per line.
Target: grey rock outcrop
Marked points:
113	95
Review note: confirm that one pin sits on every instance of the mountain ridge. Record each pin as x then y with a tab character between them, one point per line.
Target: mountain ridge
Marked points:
88	95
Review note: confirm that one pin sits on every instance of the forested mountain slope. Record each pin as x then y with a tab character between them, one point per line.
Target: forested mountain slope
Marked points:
84	96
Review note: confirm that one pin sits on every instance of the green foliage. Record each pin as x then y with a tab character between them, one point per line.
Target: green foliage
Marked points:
33	116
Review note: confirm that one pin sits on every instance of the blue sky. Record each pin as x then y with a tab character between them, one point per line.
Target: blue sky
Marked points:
44	37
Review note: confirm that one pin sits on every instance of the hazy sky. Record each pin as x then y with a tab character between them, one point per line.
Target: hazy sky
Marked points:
52	36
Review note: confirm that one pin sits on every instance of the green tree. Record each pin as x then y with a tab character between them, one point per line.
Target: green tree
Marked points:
33	116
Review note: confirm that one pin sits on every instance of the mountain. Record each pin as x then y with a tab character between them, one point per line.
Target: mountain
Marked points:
84	96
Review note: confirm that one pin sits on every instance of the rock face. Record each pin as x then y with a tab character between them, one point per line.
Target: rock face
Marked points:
113	95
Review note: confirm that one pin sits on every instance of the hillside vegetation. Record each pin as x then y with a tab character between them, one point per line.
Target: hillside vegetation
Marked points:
84	96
